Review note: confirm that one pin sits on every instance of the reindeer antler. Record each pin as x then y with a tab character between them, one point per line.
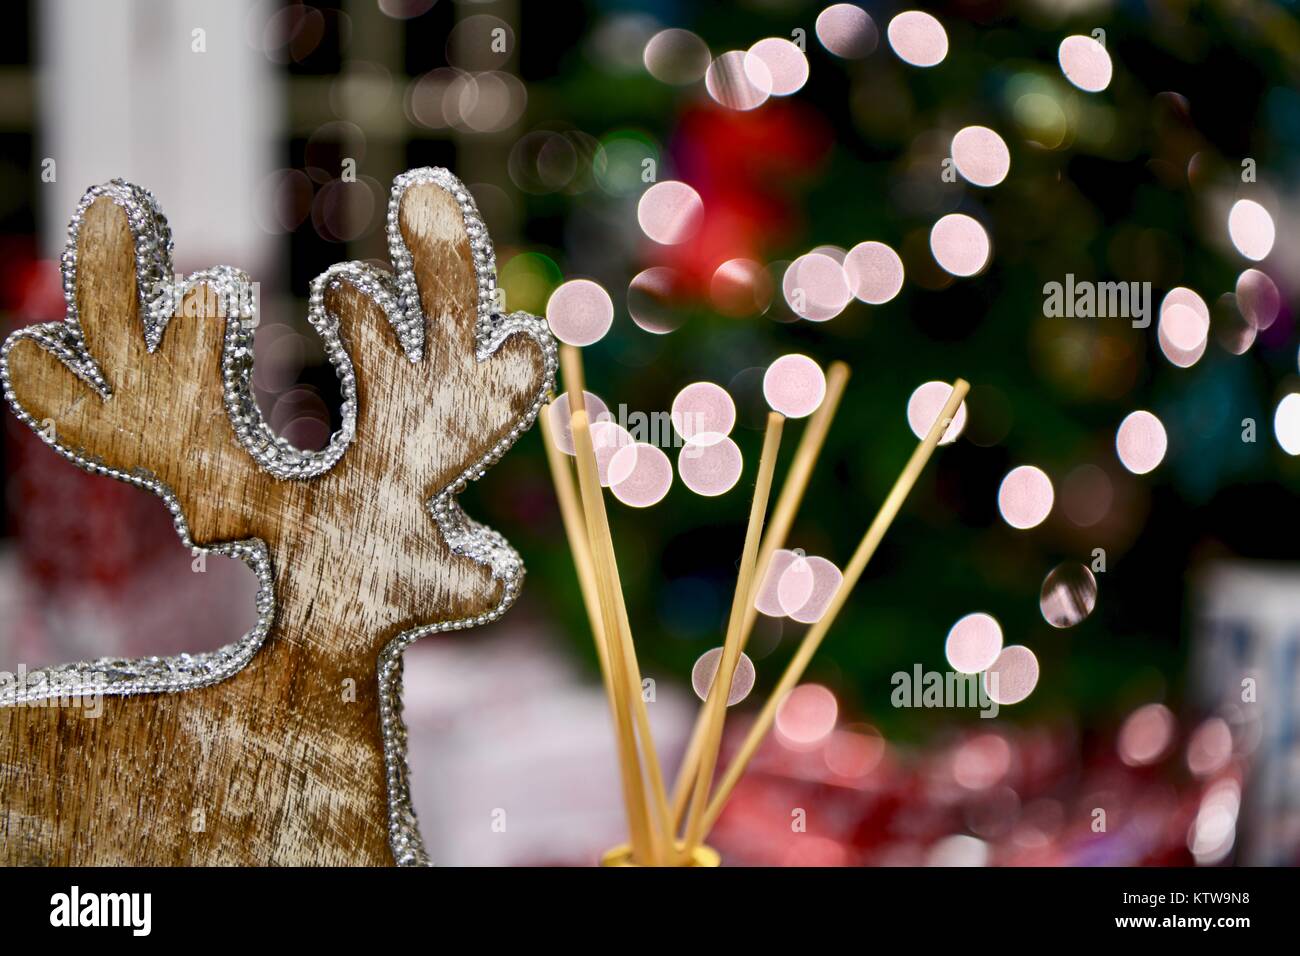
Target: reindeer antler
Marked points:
151	384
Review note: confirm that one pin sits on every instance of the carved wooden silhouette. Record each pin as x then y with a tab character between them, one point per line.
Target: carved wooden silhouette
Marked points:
274	764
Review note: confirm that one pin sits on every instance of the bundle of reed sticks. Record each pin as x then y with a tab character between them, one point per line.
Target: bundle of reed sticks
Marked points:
664	832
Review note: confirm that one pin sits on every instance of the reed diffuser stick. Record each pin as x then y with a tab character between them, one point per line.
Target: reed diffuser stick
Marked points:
715	705
575	530
575	379
624	664
644	847
778	527
813	638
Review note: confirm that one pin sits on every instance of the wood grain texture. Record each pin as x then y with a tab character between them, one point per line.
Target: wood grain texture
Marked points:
282	768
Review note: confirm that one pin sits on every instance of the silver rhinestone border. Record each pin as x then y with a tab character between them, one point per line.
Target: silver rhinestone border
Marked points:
396	293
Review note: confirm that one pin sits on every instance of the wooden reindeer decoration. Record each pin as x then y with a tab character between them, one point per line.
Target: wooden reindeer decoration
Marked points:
256	753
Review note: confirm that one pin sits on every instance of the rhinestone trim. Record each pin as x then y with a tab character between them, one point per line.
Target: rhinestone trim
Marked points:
398	296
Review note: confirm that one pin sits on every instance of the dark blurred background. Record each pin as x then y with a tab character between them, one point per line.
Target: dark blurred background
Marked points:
550	111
